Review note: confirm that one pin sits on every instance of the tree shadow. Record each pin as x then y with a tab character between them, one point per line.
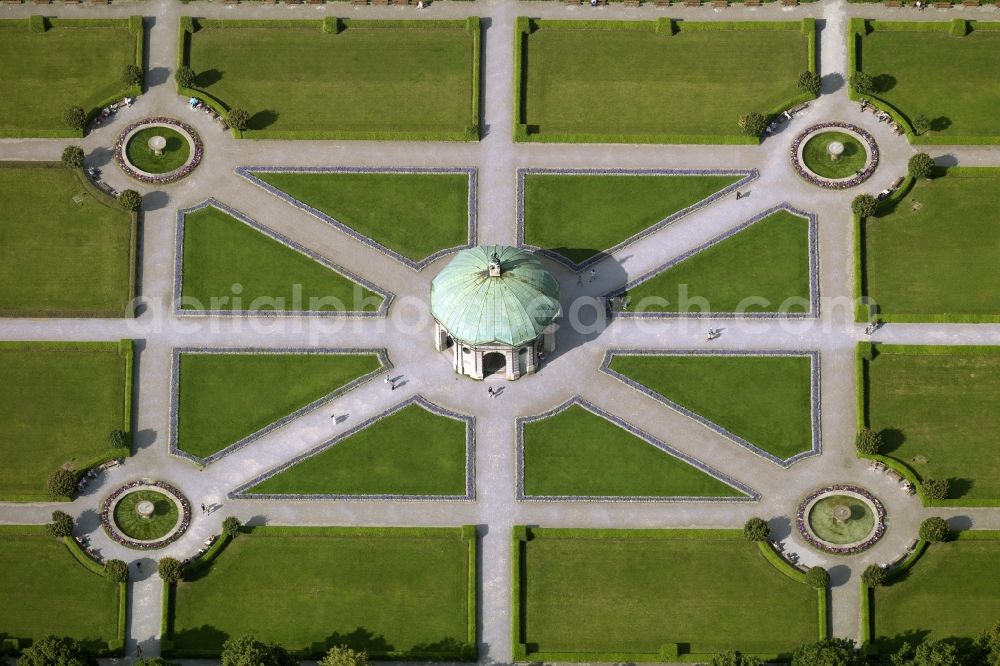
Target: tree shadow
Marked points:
360	639
960	523
892	439
832	83
959	486
947	160
205	637
262	119
99	157
940	124
839	575
87	522
883	83
781	527
207	78
157	76
155	200
888	644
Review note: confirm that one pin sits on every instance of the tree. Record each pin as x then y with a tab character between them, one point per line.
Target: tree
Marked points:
72	157
920	166
132	75
753	123
928	653
864	205
130	200
116	570
830	652
170	570
344	656
75	117
874	575
238	118
184	76
248	651
988	646
756	529
934	529
936	489
62	482
921	125
152	661
863	83
56	651
817	577
117	439
735	659
809	82
61	525
868	441
231	526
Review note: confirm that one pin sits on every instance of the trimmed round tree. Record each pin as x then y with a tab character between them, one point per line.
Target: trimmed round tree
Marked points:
248	651
117	439
238	118
61	525
733	658
756	529
130	200
72	157
341	655
170	570
935	530
75	117
753	123
868	442
829	652
184	76
131	75
863	83
116	570
921	125
920	166
57	651
62	482
936	489
818	577
874	575
231	526
864	205
810	82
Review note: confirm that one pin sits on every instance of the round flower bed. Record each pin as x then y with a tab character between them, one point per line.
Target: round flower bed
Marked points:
168	517
813	163
182	140
842	520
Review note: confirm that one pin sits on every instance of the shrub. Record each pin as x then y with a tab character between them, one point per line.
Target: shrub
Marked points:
344	656
874	575
170	570
75	117
988	645
921	125
817	577
829	652
57	651
184	76
868	441
37	23
231	526
864	205
863	83
116	570
920	166
131	75
62	482
735	659
72	157
756	529
117	439
810	82
934	529
958	28
936	489
238	118
152	661
61	525
753	123
248	651
130	200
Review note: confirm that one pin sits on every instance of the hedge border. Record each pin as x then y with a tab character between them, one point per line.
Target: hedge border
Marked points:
750	495
815	402
799	576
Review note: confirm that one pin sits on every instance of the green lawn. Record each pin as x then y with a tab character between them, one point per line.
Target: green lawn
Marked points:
603	84
45	73
414	214
951	592
579	216
384	590
225	397
58	403
174	154
820	160
577	452
629	592
411	452
938	410
220	251
934	255
62	251
768	260
765	400
163	519
375	79
44	590
916	71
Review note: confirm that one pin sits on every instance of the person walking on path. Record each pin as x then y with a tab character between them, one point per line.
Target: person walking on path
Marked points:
138	651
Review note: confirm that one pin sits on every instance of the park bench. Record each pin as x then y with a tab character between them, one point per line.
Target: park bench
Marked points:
893	4
12	2
380	2
41	2
753	3
971	3
789	3
692	3
633	3
720	3
661	3
359	2
798	107
942	4
399	2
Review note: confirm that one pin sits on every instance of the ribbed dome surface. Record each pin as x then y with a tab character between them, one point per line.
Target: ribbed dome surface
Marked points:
511	309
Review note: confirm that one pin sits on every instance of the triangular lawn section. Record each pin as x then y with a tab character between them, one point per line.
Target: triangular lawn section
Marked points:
414	214
577	452
579	216
769	260
410	452
220	251
225	397
765	400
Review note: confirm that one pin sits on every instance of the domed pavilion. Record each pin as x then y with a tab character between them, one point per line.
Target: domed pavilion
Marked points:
494	307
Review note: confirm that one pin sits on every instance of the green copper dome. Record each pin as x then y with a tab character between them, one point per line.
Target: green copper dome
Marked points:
511	308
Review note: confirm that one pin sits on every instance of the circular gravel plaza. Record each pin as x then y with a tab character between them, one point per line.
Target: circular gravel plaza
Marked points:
841	520
146	514
834	155
158	151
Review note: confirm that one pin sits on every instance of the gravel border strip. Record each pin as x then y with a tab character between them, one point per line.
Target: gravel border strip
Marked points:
473	174
751	494
175	363
816	413
749	175
808	175
121	151
470	467
847	549
814	300
387	296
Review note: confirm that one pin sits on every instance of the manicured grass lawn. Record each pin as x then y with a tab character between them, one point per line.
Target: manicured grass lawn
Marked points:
45	73
175	153
629	592
919	68
371	78
411	452
635	84
577	452
58	403
818	158
164	517
774	409
220	251
934	255
768	260
62	252
415	214
579	216
225	397
937	408
951	592
44	590
376	589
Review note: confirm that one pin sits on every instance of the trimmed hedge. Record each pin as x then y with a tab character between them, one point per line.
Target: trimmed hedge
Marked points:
202	563
116	645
